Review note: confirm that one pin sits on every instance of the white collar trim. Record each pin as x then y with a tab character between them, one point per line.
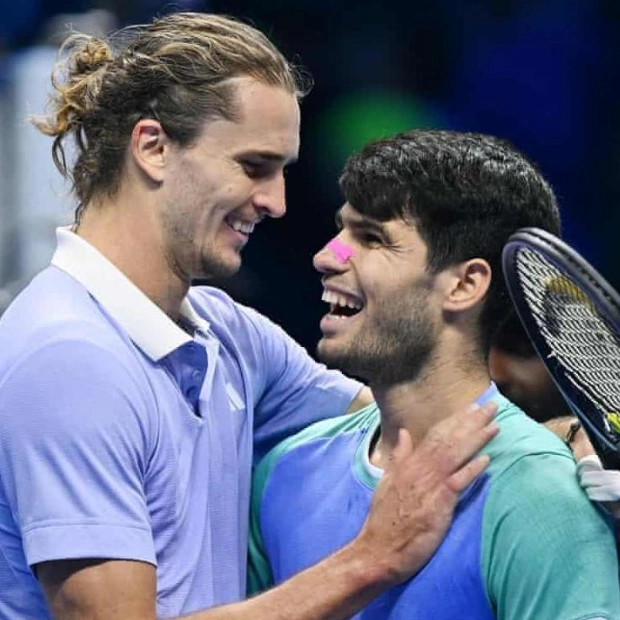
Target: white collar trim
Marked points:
145	323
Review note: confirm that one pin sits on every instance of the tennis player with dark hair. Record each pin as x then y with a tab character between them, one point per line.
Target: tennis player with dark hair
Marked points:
131	405
415	288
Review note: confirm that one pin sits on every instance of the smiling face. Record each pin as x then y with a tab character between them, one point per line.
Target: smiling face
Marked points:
232	177
385	307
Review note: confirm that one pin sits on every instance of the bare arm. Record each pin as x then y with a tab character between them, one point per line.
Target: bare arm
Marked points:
576	440
600	485
411	512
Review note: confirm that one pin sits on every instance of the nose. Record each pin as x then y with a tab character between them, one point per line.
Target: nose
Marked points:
333	257
270	198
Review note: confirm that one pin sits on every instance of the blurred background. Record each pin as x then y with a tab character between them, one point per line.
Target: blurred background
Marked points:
541	73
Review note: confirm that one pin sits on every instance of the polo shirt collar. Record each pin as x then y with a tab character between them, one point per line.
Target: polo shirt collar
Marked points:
147	325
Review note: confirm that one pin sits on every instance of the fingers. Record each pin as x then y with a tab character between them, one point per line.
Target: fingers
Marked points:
414	501
455	440
581	445
574	437
477	429
601	485
589	463
463	477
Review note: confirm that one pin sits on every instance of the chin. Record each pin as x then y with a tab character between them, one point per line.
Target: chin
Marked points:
323	352
325	349
334	356
220	268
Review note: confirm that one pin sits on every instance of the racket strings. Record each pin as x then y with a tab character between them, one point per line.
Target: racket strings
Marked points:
576	334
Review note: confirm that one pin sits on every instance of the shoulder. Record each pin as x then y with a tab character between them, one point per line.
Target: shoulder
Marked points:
58	344
326	429
72	372
520	437
533	480
317	433
53	309
217	306
535	519
227	316
258	343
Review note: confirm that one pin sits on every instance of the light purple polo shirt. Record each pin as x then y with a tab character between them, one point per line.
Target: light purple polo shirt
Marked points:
123	436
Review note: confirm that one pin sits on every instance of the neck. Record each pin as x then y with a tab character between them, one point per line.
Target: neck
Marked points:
420	404
126	231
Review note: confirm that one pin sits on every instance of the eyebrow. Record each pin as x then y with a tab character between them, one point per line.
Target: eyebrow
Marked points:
359	222
269	156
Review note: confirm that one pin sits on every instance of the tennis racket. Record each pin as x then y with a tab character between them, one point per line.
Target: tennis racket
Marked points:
572	316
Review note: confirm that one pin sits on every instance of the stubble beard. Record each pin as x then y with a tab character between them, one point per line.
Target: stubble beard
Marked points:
213	266
194	259
394	350
207	262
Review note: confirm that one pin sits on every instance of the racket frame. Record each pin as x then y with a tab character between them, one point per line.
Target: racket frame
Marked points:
599	293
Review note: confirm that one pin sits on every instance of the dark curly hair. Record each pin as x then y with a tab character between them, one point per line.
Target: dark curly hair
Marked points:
465	192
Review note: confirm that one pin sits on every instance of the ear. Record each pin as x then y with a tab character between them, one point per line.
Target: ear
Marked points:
466	284
149	148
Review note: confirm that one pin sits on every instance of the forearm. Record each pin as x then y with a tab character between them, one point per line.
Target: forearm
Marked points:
334	589
411	511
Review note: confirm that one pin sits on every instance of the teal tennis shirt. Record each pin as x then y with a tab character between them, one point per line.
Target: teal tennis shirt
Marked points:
525	543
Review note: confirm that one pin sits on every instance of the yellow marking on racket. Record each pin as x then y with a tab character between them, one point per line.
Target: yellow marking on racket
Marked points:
565	286
614	420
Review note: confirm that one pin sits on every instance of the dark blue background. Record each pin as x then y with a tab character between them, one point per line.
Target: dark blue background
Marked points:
543	74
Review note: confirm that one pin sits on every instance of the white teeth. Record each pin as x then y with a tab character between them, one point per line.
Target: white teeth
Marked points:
338	299
240	226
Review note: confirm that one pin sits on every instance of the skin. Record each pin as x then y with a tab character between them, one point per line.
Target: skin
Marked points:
526	382
396	308
388	266
170	222
387	275
581	447
406	524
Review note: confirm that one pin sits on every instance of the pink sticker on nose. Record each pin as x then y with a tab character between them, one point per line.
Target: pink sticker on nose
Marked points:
340	250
